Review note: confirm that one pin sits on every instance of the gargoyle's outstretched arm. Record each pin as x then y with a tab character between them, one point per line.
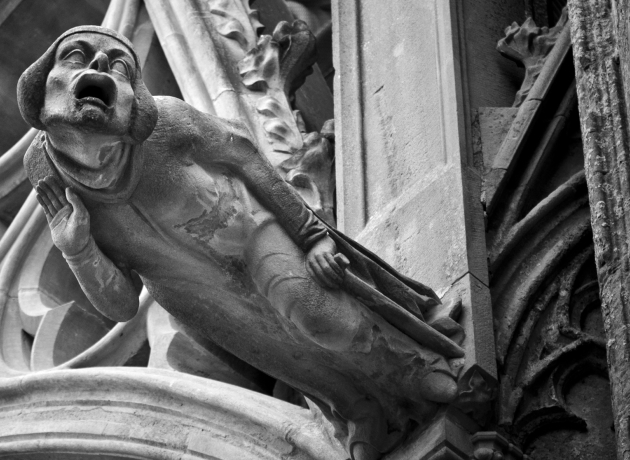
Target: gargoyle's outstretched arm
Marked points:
109	289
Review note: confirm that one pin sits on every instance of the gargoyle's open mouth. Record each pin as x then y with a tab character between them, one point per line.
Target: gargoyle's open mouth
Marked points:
96	88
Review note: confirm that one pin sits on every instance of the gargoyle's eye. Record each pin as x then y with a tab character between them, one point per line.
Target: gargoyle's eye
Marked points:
120	67
75	56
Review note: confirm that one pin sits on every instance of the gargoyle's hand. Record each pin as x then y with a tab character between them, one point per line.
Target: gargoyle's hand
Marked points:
68	219
325	265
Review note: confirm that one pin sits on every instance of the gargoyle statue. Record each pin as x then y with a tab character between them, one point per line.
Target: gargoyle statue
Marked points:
137	187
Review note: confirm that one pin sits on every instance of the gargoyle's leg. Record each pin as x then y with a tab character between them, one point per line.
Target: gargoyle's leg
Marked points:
338	322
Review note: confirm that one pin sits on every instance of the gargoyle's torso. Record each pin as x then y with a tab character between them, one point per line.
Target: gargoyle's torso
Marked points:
184	222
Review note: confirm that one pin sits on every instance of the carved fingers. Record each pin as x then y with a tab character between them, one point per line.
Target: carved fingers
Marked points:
324	266
51	197
323	273
68	219
77	204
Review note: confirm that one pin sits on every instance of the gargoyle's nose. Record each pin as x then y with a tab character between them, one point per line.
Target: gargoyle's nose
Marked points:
100	62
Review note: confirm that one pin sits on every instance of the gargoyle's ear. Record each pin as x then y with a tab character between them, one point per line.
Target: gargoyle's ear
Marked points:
145	113
31	88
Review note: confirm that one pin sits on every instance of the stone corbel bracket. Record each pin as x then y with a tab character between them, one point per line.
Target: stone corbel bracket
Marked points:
477	390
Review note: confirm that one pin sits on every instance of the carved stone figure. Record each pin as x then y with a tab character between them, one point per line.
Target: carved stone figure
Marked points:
137	188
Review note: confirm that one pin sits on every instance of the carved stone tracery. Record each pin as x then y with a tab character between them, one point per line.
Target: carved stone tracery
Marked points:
549	338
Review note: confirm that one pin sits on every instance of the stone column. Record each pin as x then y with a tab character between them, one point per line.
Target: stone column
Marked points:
406	185
601	50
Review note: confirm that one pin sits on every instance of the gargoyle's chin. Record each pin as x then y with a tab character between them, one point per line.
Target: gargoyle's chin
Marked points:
81	120
91	116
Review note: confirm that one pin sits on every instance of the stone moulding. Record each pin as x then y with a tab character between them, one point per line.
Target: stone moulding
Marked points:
151	414
512	147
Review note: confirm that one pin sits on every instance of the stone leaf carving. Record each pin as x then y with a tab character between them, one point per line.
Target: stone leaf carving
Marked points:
228	20
277	66
528	45
310	171
279	124
271	71
280	61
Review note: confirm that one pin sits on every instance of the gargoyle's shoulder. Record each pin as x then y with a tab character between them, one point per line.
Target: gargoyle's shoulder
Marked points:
180	122
36	164
171	108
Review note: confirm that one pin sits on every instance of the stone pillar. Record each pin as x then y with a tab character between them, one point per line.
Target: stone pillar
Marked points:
601	50
406	185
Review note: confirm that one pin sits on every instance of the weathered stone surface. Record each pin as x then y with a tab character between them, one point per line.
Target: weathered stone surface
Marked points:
122	412
493	124
406	180
403	186
600	43
544	293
